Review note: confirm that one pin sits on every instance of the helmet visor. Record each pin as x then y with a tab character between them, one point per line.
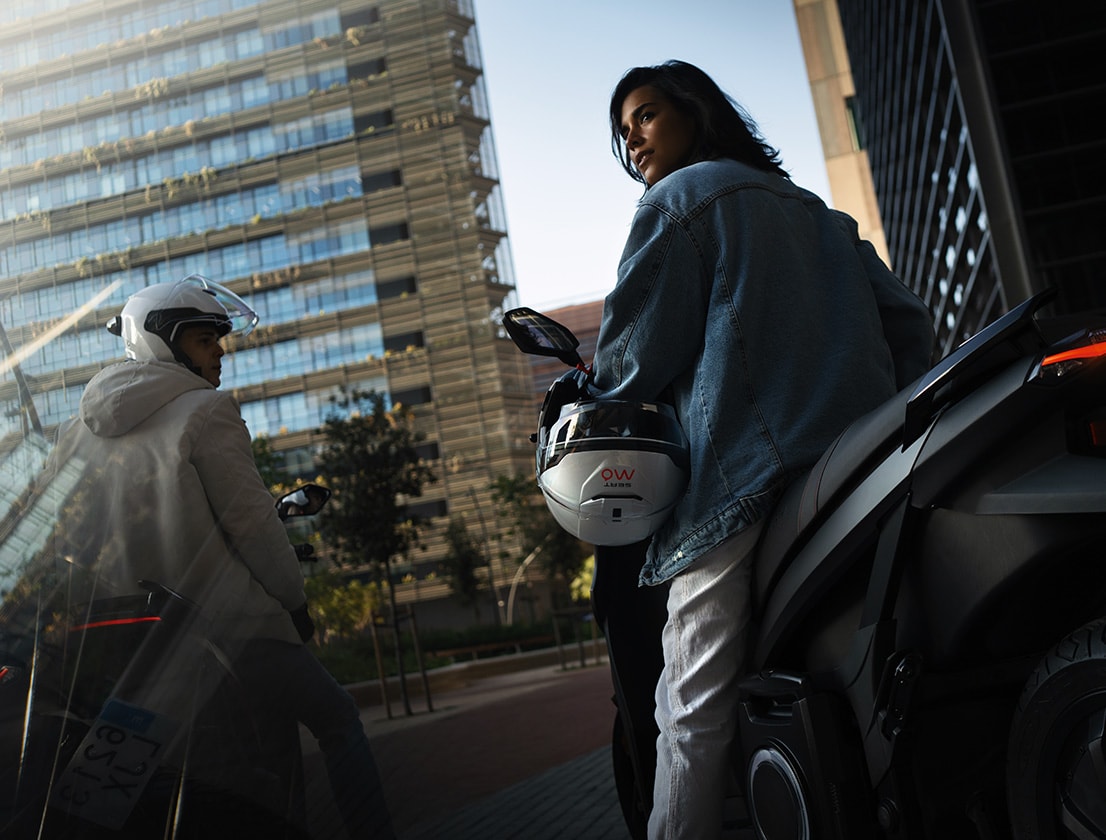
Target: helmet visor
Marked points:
242	318
611	424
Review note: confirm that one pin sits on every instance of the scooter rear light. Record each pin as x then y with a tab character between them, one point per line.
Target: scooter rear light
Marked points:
115	622
1064	362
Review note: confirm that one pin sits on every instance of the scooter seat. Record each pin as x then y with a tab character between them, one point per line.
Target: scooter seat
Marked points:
851	455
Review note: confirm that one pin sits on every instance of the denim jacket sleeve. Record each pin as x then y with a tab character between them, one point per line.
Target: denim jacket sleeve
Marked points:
651	328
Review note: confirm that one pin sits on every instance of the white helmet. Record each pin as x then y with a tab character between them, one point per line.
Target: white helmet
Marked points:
611	471
151	319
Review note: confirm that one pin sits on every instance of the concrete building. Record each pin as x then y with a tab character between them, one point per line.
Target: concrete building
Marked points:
974	119
332	162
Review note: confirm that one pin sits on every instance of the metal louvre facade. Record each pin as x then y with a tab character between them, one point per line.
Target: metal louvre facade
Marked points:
975	115
332	162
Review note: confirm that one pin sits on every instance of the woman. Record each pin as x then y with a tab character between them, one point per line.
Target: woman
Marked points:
764	319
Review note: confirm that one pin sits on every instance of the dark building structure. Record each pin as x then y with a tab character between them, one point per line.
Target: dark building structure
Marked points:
981	123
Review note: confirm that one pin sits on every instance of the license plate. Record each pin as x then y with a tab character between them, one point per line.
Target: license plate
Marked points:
117	758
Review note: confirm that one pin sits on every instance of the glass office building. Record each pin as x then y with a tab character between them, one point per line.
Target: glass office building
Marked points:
332	162
977	118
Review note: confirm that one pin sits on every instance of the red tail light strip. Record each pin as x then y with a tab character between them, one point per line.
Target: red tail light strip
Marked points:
114	622
1090	351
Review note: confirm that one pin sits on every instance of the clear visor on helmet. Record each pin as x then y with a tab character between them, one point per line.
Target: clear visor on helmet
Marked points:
242	318
616	424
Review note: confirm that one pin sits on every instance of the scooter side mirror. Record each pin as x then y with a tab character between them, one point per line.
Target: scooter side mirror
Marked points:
539	335
306	500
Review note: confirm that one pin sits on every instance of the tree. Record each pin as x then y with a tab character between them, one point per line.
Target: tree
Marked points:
269	462
342	609
562	555
462	559
372	465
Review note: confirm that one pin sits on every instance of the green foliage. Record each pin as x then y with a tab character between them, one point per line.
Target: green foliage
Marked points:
341	609
581	584
371	464
269	462
460	563
562	555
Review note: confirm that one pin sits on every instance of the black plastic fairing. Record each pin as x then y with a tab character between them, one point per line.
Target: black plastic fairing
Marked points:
987	588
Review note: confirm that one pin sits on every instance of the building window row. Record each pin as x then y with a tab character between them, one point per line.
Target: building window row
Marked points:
297	356
70	89
321	188
270	253
58	301
52	407
109	179
136	122
288	304
273	416
73	349
154	116
80	34
210	214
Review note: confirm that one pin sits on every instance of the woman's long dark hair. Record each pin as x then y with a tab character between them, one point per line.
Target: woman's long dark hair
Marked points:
722	128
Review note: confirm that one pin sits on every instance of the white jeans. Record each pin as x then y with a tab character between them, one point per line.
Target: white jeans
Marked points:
704	642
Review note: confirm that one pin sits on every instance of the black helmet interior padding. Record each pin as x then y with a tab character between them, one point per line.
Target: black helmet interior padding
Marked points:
164	323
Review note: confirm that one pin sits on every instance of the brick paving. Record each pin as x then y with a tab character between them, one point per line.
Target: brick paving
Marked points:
523	754
522	751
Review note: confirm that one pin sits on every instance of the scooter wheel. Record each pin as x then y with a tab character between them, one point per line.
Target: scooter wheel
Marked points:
1056	763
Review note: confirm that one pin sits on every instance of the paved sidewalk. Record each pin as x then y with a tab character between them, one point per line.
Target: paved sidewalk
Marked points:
575	801
523	754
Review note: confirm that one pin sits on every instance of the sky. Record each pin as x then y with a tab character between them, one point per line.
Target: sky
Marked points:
549	69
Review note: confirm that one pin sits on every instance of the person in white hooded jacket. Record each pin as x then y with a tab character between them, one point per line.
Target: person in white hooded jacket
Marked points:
171	494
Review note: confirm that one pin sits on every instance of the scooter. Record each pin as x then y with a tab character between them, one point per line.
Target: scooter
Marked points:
929	648
84	756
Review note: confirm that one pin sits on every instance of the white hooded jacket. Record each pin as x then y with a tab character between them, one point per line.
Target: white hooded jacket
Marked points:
171	494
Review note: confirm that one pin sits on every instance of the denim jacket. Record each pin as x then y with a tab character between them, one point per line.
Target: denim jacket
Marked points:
767	322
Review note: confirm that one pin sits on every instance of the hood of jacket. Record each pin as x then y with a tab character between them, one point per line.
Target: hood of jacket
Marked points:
121	396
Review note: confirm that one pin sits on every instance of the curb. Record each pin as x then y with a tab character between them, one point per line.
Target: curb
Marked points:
463	674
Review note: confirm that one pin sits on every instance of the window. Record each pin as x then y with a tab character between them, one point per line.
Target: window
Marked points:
400	343
428	510
389	233
412	396
367	68
396	288
856	129
374	122
363	17
381	181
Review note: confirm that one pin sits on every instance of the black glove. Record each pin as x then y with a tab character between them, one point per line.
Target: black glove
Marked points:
304	625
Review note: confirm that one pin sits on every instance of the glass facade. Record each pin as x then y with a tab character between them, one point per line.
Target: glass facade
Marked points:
924	170
985	160
331	162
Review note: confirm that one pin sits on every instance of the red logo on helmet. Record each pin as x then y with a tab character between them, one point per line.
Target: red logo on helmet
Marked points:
609	474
